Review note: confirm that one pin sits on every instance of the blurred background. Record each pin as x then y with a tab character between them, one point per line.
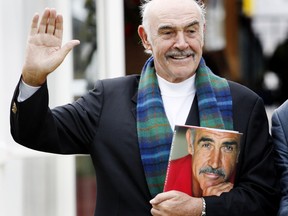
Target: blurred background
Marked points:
246	41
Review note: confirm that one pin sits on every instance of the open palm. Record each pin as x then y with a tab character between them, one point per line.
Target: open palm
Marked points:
43	51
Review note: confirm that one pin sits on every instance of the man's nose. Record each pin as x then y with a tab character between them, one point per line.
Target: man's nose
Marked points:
181	42
215	159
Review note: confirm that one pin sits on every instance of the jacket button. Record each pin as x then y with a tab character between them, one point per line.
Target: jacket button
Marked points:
14	108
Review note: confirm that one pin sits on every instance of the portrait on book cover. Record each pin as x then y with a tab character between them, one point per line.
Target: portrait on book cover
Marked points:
201	157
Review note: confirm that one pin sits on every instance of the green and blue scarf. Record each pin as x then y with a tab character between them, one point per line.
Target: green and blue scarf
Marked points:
154	131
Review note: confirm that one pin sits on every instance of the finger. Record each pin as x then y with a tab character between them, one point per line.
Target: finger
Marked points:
34	25
51	22
43	22
155	212
217	190
164	196
59	26
68	47
225	186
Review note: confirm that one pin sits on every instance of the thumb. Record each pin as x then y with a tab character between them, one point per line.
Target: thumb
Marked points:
62	53
69	46
160	198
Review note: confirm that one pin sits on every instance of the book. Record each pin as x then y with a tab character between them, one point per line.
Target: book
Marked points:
201	157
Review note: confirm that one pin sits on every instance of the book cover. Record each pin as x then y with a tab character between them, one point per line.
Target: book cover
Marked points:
201	157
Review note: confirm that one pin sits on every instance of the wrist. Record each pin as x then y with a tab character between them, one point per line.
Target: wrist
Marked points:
33	78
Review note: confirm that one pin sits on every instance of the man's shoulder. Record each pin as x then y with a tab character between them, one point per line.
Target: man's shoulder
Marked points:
246	103
118	86
242	93
282	110
122	81
237	88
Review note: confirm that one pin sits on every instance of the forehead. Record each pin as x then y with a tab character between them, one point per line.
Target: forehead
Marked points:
176	13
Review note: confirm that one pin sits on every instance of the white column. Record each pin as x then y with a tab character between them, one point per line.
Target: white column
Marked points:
60	176
10	61
32	183
60	91
28	178
110	38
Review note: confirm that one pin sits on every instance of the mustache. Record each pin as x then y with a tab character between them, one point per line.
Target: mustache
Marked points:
180	53
219	172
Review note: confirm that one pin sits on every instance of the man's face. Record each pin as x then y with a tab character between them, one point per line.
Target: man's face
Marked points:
175	39
214	157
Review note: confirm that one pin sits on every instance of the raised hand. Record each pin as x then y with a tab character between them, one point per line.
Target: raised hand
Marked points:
43	50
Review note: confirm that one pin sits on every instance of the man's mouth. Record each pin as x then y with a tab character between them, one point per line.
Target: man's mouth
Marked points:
180	55
212	173
212	176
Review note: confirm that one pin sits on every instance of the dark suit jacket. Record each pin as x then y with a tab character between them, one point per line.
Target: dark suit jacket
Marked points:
280	138
103	124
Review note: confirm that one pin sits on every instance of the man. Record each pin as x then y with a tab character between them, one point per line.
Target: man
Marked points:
280	138
215	154
131	163
211	160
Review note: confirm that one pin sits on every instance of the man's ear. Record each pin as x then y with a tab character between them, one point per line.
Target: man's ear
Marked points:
189	143
144	37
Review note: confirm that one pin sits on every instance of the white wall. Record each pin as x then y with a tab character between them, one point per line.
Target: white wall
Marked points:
31	183
34	183
10	60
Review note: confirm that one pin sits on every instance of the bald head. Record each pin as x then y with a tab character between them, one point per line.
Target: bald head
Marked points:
152	7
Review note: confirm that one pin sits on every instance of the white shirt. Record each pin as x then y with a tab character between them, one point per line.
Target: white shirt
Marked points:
177	99
26	91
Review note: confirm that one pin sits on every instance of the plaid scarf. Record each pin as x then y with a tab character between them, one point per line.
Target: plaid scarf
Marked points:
154	131
214	99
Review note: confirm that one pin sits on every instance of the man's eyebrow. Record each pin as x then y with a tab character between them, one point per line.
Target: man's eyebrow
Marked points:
165	27
205	139
208	139
195	22
230	143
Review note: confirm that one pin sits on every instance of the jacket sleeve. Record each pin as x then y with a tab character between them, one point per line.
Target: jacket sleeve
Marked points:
281	157
255	189
65	129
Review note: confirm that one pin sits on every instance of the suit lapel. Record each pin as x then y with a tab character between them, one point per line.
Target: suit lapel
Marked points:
193	116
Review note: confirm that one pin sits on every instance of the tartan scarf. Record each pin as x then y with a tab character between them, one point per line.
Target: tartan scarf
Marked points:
153	128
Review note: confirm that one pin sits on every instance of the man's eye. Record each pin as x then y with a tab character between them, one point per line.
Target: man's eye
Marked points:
206	145
228	148
167	32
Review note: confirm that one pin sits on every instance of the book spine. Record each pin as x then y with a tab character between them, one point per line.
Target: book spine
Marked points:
170	156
